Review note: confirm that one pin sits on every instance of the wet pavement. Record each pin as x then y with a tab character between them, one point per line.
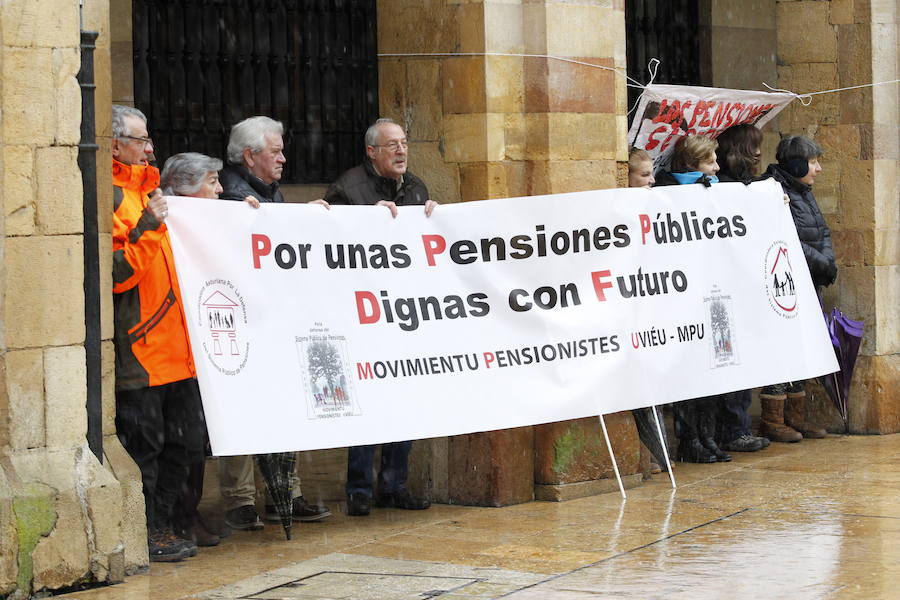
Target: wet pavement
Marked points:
814	520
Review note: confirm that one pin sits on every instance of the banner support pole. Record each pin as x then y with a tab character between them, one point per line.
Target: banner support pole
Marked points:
612	457
662	442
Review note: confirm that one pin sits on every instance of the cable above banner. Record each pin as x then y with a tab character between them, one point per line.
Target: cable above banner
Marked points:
316	328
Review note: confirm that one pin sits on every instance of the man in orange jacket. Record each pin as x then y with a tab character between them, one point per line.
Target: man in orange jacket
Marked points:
159	418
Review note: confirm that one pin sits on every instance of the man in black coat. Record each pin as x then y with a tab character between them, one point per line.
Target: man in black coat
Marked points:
255	162
382	180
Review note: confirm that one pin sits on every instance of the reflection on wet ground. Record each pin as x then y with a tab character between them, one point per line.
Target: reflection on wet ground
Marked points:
815	520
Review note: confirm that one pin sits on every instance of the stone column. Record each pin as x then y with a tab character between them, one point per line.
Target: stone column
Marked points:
487	126
60	508
846	43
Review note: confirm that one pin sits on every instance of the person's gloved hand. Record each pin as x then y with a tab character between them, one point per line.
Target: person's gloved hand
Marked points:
831	272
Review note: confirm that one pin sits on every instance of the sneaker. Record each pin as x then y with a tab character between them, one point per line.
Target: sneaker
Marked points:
763	440
302	511
243	517
745	443
164	546
358	505
401	499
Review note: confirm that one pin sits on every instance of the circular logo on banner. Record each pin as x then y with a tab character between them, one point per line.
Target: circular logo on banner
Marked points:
780	280
222	318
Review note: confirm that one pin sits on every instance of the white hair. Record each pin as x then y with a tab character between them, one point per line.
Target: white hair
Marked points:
183	173
372	131
119	114
251	133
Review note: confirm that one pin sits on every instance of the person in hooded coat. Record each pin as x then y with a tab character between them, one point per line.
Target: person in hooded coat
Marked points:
783	405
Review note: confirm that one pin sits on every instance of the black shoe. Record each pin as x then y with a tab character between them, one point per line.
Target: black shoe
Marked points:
710	444
358	505
762	440
401	499
199	535
164	546
243	517
301	510
690	450
745	443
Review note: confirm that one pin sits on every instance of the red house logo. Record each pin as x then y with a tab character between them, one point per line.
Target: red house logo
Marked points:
220	318
780	286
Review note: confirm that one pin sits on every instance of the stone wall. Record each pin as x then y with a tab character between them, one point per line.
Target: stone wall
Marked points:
845	43
503	126
60	509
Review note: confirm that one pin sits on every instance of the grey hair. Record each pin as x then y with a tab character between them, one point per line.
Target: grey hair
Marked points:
251	133
793	147
183	173
119	113
372	131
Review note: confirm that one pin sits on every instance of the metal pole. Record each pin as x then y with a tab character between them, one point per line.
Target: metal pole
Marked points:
662	441
87	162
612	456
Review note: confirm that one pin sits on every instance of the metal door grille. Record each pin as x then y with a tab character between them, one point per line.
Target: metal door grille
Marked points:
665	29
202	65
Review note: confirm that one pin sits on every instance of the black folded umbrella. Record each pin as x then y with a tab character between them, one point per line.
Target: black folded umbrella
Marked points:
846	337
278	472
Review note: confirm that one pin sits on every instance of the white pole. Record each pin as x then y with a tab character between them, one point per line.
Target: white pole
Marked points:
612	456
662	442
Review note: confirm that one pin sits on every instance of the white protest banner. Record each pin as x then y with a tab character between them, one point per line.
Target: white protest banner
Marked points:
668	112
315	328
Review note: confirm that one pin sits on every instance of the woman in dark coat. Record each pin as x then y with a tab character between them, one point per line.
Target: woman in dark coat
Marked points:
798	165
694	160
740	149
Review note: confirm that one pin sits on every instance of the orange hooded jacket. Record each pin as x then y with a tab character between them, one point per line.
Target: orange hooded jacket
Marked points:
151	339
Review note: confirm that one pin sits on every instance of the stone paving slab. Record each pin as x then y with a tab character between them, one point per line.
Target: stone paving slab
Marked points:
339	576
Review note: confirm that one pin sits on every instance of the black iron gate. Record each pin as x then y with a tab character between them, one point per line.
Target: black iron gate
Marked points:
665	29
202	65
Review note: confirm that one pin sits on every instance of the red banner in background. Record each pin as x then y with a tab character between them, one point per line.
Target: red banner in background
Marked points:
668	112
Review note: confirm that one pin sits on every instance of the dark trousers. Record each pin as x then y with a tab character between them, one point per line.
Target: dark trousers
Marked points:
696	418
392	475
163	430
733	417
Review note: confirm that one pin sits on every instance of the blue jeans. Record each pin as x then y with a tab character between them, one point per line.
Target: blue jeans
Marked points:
392	475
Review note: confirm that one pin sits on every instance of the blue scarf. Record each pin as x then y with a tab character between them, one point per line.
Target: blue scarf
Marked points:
693	177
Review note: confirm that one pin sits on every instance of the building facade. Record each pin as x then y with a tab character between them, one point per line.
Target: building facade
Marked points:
480	126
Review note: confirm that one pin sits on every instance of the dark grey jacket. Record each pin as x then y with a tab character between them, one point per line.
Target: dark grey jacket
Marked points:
362	185
238	183
815	237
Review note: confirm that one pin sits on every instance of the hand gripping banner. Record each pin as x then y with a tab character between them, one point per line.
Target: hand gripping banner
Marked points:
315	328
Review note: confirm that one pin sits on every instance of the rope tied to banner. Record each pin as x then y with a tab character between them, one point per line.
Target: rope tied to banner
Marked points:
806	99
652	68
630	81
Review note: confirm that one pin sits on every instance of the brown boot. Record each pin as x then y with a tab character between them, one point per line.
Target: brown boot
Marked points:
771	424
795	415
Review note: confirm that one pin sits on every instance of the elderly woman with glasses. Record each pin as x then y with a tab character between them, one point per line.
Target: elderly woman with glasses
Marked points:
191	174
194	175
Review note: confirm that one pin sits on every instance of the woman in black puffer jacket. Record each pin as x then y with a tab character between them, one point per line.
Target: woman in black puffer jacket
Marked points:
796	171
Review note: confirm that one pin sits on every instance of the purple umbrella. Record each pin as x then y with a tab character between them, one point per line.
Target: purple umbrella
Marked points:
846	336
